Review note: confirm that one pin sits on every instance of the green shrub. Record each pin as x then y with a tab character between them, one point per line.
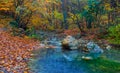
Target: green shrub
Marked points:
114	34
13	24
15	30
31	33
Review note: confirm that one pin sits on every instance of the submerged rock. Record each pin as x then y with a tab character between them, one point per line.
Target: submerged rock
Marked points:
70	55
94	51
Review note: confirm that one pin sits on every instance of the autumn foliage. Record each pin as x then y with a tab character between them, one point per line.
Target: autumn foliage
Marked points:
71	32
15	52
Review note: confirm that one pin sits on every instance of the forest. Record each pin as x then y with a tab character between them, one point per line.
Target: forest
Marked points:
59	36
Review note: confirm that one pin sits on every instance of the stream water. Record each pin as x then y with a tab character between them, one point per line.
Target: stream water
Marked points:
52	61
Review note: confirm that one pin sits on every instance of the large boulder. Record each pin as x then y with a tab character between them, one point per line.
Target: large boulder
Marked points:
69	43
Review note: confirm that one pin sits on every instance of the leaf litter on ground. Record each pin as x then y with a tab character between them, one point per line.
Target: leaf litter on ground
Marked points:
15	53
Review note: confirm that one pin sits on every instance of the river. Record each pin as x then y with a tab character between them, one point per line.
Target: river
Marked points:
48	60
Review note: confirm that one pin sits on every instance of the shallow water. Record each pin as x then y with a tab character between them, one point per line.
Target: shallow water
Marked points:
112	54
53	61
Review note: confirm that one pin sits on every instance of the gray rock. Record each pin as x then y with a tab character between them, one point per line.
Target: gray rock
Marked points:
70	42
94	50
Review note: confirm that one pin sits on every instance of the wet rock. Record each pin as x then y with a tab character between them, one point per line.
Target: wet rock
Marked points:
87	58
69	46
82	42
94	51
108	47
69	43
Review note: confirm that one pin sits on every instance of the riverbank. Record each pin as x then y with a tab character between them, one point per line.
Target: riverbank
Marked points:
15	53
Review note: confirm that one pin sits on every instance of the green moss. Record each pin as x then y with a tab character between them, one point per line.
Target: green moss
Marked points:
102	65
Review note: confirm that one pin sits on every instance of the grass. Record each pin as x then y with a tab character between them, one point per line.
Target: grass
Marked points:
102	65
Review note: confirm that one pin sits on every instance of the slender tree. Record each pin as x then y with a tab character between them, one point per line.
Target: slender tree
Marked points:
64	10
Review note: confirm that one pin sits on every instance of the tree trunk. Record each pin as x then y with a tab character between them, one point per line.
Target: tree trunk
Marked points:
64	9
